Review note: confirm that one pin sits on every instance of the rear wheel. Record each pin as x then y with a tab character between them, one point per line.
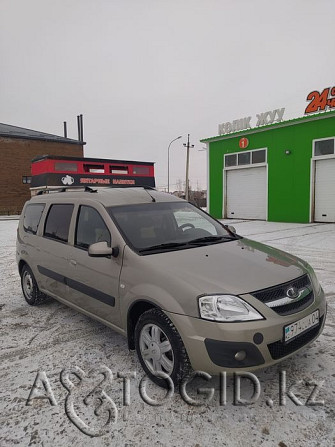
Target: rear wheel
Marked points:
160	348
30	289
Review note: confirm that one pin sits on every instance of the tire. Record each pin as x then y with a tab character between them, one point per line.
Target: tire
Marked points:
160	348
30	289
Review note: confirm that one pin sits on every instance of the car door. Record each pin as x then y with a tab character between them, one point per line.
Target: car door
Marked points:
54	249
93	282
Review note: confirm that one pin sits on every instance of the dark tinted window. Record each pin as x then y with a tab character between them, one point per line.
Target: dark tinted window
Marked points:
244	158
26	179
141	170
58	222
91	228
258	156
32	217
324	147
231	160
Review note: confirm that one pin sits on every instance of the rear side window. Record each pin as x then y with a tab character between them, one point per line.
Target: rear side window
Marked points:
91	228
58	222
32	217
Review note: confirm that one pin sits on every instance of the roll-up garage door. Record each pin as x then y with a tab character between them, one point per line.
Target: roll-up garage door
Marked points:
246	193
324	203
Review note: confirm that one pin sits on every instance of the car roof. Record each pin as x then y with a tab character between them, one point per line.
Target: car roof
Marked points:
107	196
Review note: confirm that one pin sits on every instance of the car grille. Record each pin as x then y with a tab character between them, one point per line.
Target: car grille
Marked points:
279	349
272	294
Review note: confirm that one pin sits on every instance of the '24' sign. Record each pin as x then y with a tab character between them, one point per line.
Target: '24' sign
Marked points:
320	101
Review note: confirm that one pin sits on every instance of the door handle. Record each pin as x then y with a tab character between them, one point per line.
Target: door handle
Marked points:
73	262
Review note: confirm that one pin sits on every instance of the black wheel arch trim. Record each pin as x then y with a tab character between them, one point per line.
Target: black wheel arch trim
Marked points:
131	325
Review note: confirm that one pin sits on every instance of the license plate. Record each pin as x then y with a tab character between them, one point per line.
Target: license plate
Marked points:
292	330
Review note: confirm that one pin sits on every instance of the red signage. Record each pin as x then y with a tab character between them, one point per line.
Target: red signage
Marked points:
321	101
100	181
123	182
243	143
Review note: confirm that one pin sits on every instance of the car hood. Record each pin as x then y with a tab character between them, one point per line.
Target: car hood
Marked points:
235	267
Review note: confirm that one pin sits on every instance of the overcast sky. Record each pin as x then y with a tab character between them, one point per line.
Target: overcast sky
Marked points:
144	72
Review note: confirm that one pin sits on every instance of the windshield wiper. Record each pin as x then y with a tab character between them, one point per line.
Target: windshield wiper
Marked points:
211	239
200	240
165	245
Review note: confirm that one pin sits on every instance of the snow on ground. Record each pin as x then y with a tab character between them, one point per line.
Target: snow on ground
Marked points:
52	337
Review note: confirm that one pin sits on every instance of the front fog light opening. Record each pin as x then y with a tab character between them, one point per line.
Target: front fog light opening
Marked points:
227	308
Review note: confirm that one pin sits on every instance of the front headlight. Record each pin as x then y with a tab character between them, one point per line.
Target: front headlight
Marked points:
226	308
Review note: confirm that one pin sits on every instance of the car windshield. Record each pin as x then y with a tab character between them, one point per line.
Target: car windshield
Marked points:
164	226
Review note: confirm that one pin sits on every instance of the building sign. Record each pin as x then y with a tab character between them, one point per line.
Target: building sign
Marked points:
94	181
245	123
53	179
243	143
321	101
49	171
106	181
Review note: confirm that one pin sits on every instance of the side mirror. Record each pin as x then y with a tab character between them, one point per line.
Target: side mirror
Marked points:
231	228
101	250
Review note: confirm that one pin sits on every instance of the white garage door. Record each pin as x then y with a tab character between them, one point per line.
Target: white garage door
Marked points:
246	193
324	190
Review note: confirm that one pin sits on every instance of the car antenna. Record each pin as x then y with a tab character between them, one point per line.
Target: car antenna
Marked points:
152	198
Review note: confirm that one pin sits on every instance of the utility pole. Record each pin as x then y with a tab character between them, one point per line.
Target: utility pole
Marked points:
187	145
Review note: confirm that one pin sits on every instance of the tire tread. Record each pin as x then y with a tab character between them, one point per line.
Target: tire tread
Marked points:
184	366
38	297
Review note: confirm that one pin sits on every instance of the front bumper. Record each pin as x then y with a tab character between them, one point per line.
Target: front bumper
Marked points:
212	346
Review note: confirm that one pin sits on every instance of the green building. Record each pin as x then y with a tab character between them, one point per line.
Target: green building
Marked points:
282	172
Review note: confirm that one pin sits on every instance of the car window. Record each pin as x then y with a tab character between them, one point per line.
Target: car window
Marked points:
149	224
91	228
32	217
189	218
58	222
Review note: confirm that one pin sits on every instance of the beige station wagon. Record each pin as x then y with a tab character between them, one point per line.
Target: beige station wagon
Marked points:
186	290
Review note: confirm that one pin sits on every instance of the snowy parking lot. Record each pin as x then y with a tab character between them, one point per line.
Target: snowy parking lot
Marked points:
41	342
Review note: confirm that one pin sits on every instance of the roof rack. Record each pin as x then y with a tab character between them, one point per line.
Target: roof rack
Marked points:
40	190
143	186
52	189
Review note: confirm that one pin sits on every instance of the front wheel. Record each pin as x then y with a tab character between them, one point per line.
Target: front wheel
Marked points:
160	348
30	289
